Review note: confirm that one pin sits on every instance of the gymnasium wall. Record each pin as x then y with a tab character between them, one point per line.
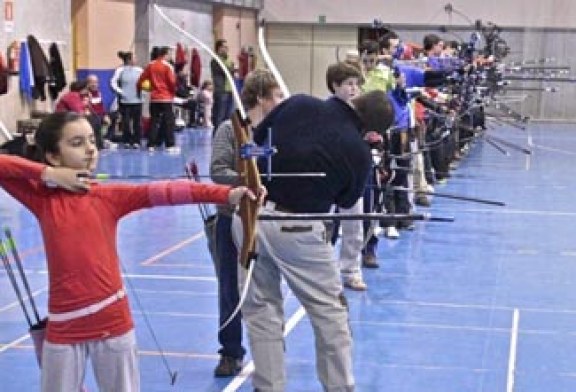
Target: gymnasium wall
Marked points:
204	20
90	33
302	47
48	24
519	13
303	36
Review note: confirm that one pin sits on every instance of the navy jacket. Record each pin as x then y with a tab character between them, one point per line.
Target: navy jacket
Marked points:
312	135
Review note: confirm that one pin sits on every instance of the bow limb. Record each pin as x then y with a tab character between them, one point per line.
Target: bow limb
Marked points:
246	167
212	54
269	62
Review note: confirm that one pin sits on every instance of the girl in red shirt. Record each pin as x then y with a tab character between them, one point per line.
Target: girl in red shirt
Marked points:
89	314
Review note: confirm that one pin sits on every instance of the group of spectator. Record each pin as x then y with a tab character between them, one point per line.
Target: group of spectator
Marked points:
160	85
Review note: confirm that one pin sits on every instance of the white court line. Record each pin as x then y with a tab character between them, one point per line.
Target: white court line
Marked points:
183	265
159	277
202	293
16	303
430	326
513	348
472	306
146	353
249	368
177	314
171	277
554	149
14	343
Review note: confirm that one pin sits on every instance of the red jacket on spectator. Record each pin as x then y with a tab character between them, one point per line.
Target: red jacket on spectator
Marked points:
162	81
72	101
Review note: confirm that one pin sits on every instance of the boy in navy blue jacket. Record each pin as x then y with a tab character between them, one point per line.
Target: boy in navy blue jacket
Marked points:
311	135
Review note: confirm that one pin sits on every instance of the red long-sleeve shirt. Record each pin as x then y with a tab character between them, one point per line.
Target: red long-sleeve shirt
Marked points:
79	232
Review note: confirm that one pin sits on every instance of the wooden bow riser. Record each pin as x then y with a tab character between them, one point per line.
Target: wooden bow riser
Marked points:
249	176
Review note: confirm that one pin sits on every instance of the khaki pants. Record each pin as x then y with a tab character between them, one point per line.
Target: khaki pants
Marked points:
298	252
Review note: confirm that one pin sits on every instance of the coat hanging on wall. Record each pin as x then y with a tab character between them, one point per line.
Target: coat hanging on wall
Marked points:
243	63
246	61
3	76
25	70
195	68
13	57
40	68
180	57
57	70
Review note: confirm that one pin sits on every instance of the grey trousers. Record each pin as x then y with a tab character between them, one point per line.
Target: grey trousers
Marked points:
114	361
297	251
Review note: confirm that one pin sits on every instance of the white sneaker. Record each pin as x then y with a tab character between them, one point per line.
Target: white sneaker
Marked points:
392	233
429	188
110	145
173	150
180	123
355	283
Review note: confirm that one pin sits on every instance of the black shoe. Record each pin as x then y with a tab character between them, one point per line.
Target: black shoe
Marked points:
228	367
406	225
422	200
369	261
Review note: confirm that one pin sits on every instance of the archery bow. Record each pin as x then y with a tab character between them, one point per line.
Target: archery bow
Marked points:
248	209
247	166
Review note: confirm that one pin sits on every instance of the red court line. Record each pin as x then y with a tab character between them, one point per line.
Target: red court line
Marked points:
29	252
165	252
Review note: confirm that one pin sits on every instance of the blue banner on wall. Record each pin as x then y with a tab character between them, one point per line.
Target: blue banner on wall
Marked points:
104	77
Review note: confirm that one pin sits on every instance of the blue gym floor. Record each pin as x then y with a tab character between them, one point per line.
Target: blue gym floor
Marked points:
486	303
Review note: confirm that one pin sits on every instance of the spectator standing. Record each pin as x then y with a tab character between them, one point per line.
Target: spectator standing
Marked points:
124	83
223	101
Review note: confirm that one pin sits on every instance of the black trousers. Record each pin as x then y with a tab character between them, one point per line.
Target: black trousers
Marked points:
397	201
131	122
162	124
439	150
96	123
